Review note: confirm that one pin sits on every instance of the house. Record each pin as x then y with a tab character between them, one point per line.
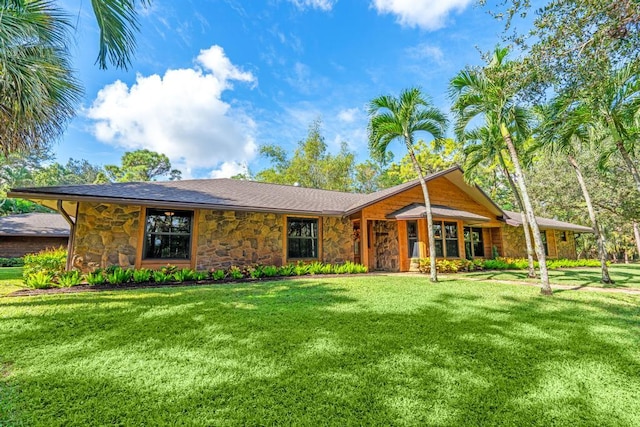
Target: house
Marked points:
32	232
216	223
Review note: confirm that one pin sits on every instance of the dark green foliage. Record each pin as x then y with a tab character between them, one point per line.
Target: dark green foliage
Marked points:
184	275
160	276
96	278
201	276
141	275
11	262
270	270
499	263
50	261
235	273
218	274
119	276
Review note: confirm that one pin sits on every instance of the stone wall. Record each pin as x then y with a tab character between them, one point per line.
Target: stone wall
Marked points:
18	246
227	238
515	246
386	245
337	240
566	249
106	234
513	243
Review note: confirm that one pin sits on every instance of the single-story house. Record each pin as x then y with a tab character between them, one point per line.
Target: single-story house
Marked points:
28	233
216	223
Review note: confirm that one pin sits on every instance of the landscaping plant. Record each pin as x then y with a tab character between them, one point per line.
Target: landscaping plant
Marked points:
218	274
70	278
39	280
96	277
141	275
184	275
235	272
51	261
160	277
119	276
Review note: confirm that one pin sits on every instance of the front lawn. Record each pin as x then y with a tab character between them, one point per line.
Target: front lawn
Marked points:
10	280
343	351
624	275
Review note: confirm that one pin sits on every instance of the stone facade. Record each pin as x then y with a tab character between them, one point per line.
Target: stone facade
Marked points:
106	234
337	240
515	246
567	248
386	245
18	246
227	238
513	243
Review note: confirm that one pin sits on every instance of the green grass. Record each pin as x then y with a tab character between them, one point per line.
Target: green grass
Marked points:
378	350
10	280
624	275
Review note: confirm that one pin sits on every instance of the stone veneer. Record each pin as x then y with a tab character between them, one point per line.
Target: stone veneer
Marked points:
566	249
227	238
515	246
106	234
337	240
386	245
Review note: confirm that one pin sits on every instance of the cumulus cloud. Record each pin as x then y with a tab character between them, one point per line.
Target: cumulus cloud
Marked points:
180	114
348	115
325	5
425	14
229	169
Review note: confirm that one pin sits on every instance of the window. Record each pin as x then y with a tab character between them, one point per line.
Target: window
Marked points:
543	235
473	243
412	239
167	234
302	238
446	234
563	236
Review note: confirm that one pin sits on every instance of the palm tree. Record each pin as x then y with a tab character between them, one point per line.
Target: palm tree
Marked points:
488	93
484	146
401	118
38	92
565	130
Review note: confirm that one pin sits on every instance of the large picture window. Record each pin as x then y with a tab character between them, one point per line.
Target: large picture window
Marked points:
473	243
446	234
302	238
167	234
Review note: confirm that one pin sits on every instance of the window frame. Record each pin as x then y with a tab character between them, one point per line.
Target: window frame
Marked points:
472	242
145	234
443	239
318	237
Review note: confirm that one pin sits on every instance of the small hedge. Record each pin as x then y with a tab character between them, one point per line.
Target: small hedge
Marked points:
48	263
500	263
117	276
11	262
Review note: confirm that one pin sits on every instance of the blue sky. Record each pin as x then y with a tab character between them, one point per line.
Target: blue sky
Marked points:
214	79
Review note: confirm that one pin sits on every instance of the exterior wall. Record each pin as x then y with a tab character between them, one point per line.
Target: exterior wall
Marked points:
515	246
337	240
227	238
18	246
566	249
386	245
106	234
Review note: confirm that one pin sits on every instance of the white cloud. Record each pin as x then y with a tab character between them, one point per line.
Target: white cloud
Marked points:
180	114
348	115
229	169
426	14
427	51
325	5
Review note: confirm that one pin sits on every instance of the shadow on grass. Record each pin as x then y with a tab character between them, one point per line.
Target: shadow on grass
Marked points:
322	352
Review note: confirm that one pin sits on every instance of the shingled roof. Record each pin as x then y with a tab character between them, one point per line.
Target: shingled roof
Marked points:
515	219
34	224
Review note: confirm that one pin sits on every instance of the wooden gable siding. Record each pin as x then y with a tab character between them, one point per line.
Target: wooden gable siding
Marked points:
442	192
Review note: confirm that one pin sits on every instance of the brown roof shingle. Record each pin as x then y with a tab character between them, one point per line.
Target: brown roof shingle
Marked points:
515	219
34	224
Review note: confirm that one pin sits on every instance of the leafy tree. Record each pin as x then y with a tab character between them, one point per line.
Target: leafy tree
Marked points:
311	165
490	94
38	92
74	172
565	131
141	165
401	119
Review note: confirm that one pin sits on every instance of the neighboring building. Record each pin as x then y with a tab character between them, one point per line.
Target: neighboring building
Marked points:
32	232
217	223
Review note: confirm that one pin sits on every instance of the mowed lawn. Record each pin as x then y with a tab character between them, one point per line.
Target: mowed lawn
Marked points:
624	276
388	350
10	280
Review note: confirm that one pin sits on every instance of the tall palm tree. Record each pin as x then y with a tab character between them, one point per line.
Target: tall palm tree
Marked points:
488	93
565	130
400	119
38	93
484	146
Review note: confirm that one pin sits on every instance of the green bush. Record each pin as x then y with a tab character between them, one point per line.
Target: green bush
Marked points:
301	269
256	272
235	272
95	278
184	275
70	278
159	276
201	276
270	270
49	261
142	275
11	262
39	280
499	263
218	274
287	270
119	276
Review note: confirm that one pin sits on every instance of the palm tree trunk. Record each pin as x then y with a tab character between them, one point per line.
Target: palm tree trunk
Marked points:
542	259
427	205
525	222
594	222
636	234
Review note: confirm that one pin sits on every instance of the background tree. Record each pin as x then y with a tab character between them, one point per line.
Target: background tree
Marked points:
142	165
311	165
400	119
491	93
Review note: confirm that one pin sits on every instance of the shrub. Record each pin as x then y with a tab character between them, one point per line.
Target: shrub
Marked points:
270	270
315	267
142	275
169	269
235	272
11	262
184	275
353	268
70	278
119	276
39	280
49	261
301	268
201	275
96	278
218	274
256	271
287	270
160	277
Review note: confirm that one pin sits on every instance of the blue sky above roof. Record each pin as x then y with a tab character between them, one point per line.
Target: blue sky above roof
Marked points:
213	80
